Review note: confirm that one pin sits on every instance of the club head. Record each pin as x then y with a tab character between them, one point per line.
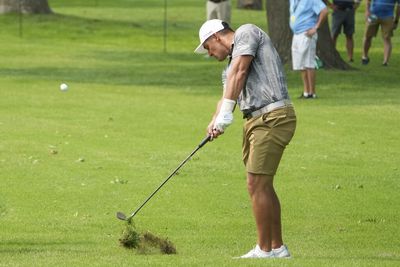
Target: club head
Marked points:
121	216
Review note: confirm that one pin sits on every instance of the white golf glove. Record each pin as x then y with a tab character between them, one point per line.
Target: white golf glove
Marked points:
225	115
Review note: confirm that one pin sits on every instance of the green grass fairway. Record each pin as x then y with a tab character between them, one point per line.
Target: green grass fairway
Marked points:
70	160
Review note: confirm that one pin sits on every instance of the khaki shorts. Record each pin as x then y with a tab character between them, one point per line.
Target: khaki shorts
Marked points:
371	29
220	10
265	138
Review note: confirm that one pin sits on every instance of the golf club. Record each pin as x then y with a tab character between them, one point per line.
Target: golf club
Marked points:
122	216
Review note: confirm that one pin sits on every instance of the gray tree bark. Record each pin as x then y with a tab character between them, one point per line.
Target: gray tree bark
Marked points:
278	27
327	52
25	6
281	36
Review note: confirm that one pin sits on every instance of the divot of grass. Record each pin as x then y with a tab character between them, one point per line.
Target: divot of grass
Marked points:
149	242
130	237
146	242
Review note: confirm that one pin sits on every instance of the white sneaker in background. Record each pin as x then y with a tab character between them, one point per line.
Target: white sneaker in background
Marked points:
257	252
281	252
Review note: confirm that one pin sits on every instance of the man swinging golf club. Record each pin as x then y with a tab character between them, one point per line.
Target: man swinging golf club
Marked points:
254	79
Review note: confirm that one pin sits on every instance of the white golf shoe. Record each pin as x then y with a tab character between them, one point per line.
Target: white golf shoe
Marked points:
281	252
257	252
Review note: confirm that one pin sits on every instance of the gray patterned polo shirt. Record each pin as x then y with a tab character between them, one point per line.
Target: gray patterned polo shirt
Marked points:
266	82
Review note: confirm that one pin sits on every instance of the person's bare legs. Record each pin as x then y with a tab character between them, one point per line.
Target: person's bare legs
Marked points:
276	241
308	77
266	210
311	81
387	49
366	46
304	77
350	46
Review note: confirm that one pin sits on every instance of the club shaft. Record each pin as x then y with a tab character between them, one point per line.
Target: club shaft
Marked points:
172	174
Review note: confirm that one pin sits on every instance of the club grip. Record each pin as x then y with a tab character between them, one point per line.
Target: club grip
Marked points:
205	140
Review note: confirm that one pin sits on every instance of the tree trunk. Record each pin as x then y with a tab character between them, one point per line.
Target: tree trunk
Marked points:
25	6
327	52
250	4
278	28
281	36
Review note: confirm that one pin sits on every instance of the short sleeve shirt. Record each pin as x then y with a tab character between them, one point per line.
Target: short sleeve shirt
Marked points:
266	82
304	14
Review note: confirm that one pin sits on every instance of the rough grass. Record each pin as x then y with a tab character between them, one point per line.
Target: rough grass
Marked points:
133	112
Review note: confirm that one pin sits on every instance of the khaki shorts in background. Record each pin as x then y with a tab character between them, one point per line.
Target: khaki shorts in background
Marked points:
371	28
265	138
221	10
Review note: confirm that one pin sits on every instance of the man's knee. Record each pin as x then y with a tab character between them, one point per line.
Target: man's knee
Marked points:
387	39
257	182
367	39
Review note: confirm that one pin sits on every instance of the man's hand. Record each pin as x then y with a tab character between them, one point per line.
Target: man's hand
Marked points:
211	131
223	120
225	115
311	32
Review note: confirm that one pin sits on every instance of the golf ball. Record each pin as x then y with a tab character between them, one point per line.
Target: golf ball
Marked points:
63	87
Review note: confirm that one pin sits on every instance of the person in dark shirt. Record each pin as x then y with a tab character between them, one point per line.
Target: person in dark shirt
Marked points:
343	17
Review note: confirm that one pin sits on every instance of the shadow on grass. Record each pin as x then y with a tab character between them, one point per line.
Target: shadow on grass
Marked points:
126	65
121	4
150	75
75	27
41	246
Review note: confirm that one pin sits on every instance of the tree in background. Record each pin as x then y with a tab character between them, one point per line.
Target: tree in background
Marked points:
281	36
25	6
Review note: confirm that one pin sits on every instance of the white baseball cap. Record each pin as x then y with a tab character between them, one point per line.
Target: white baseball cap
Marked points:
208	29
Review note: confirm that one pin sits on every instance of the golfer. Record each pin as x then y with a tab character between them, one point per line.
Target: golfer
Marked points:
255	81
